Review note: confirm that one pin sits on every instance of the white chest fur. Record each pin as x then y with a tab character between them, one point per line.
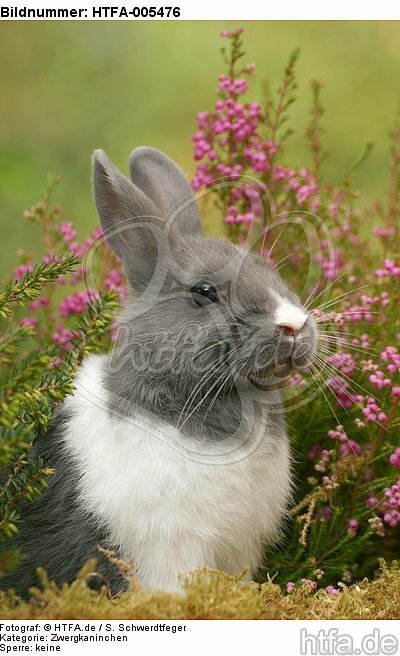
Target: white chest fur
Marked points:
165	509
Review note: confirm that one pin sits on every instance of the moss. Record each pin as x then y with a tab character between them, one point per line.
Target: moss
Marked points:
209	594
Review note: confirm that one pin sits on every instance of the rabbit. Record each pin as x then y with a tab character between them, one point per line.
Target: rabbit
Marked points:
173	450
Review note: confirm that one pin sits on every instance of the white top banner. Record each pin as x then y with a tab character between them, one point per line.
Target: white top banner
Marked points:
131	10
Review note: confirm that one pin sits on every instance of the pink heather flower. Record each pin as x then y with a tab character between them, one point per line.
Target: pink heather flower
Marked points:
321	465
315	452
56	362
202	177
324	514
67	231
77	303
395	458
115	282
389	269
80	250
297	378
315	204
390	509
372	413
226	34
363	311
231	122
50	258
341	389
381	273
309	583
330	483
28	321
64	337
332	265
343	361
379	380
20	270
353	527
233	87
331	590
248	217
304	192
390	355
365	341
290	586
350	447
280	173
333	210
392	518
38	303
383	232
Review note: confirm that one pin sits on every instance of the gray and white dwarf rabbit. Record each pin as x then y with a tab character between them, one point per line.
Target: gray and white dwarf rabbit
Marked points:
173	450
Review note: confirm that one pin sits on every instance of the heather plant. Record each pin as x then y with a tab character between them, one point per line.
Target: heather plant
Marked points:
46	328
336	249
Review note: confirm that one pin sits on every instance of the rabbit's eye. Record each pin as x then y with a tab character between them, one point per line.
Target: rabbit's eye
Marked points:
204	293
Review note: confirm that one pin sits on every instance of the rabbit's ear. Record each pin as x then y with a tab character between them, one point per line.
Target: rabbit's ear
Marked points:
131	223
165	184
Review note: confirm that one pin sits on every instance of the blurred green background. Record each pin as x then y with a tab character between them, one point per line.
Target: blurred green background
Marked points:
69	87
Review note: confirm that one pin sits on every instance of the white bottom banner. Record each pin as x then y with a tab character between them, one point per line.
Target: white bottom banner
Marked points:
273	638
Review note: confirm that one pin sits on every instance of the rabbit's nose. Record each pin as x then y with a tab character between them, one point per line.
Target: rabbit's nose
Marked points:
290	317
289	330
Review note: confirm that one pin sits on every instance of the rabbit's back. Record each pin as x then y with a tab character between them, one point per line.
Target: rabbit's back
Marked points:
56	533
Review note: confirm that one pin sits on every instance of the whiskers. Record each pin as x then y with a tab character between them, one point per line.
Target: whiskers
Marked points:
203	388
342	352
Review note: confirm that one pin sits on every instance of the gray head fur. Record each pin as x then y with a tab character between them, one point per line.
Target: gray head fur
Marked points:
184	362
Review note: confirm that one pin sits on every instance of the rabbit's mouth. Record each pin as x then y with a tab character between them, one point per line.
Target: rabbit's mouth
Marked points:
275	372
284	364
